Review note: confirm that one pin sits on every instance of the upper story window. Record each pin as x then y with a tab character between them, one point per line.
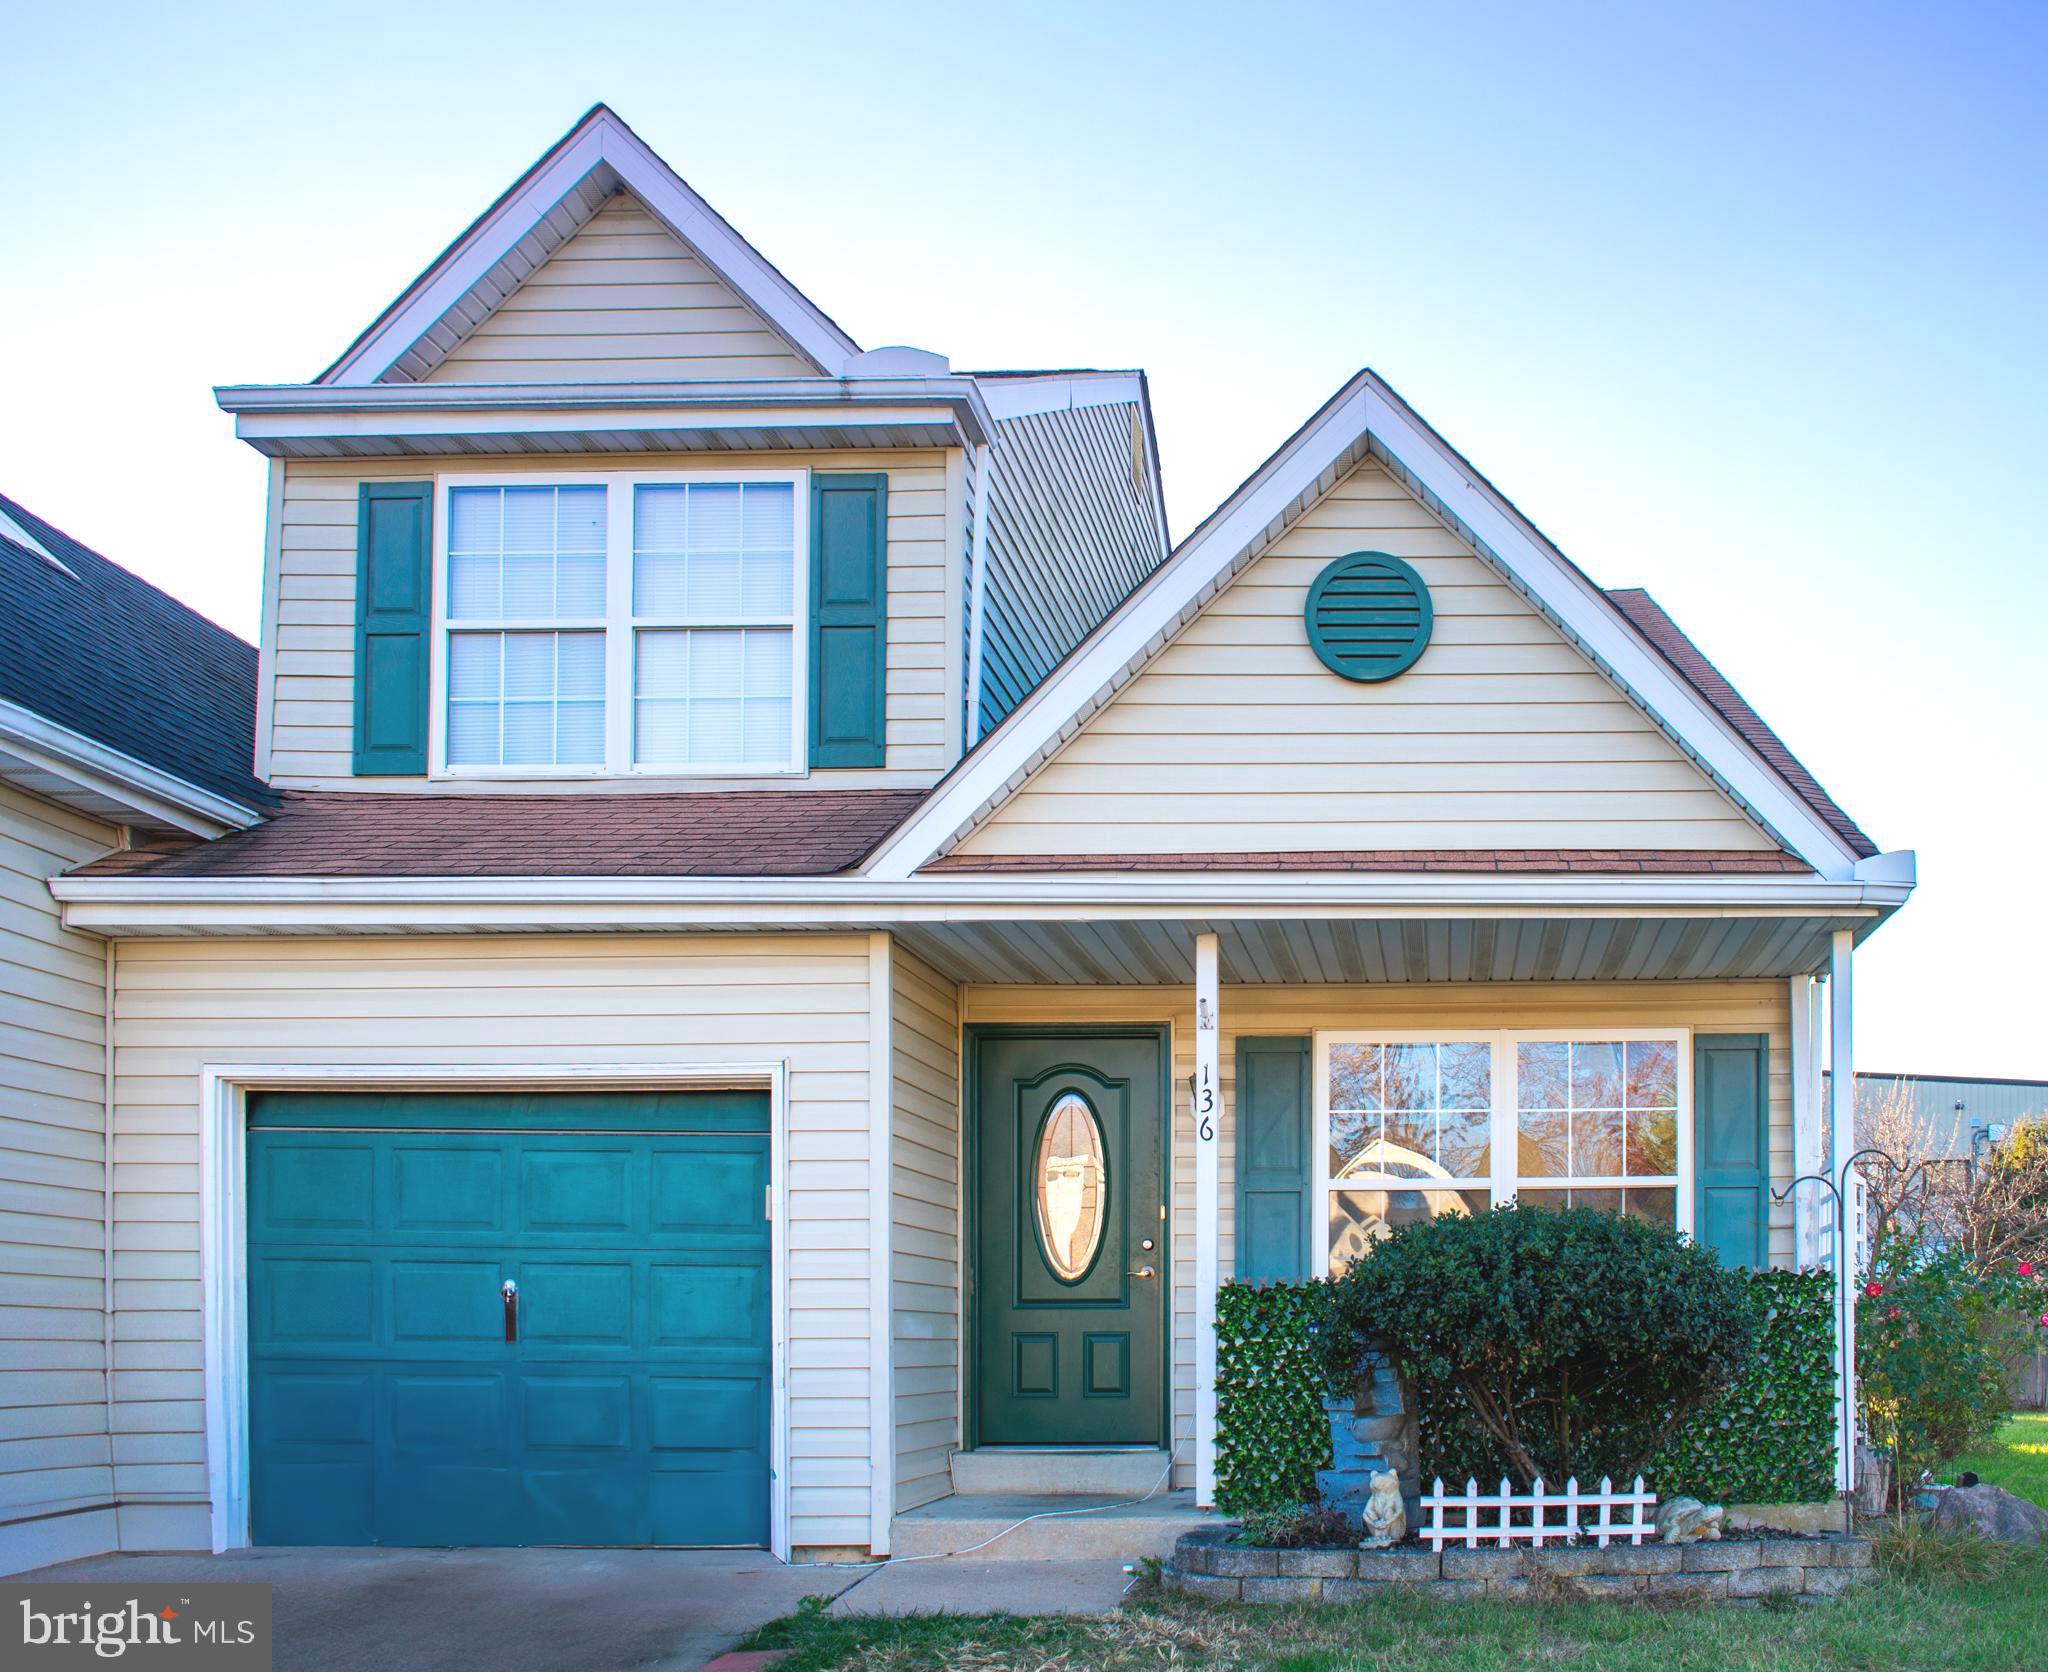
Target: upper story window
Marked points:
621	623
1414	1126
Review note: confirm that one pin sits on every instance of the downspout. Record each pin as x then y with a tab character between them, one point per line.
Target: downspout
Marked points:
977	584
107	1201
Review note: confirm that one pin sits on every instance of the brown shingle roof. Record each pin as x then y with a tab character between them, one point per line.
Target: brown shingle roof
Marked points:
1647	616
1613	861
339	833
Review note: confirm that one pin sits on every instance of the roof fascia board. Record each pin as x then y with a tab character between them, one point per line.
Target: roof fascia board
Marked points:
435	402
1015	397
481	248
1365	410
1589	617
154	795
261	430
600	139
484	397
953	898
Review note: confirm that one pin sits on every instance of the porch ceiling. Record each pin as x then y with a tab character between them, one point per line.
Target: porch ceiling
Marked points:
1340	951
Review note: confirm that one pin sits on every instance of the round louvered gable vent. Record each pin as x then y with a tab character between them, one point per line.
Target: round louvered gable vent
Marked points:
1368	616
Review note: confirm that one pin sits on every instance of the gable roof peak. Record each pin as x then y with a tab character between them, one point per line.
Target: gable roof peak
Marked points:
1366	419
596	159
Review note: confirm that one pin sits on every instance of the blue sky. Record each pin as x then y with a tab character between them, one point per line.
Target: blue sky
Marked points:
1740	302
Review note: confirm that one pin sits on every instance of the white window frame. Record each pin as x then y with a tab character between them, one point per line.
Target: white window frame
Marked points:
1503	1180
620	625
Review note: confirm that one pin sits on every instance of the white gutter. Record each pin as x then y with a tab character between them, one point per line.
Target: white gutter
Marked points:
127	904
838	400
158	797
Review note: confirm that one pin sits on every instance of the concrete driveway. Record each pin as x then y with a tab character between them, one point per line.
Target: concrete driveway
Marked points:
501	1610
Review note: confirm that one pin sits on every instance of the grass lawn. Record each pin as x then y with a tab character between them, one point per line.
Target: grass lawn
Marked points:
2016	1458
1963	1606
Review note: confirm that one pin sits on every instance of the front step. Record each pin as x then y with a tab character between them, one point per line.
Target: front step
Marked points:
1115	1530
1101	1472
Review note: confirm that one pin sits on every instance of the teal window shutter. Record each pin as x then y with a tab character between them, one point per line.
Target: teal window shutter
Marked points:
393	587
849	617
1731	1078
1274	1172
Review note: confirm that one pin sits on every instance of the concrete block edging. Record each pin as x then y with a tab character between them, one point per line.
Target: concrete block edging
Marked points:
1206	1564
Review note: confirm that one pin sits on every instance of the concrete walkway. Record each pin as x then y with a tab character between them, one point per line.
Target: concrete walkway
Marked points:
969	1585
496	1610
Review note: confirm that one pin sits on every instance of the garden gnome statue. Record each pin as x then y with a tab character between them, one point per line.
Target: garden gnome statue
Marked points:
1688	1521
1386	1517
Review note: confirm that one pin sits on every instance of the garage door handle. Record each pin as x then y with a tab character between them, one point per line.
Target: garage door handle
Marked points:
510	1291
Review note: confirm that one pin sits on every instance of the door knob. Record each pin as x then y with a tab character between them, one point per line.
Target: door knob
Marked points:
510	1291
1142	1271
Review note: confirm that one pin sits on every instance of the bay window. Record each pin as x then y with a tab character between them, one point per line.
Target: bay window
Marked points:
621	622
1418	1125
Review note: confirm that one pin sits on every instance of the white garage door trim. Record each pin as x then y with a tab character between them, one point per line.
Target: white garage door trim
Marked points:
223	1221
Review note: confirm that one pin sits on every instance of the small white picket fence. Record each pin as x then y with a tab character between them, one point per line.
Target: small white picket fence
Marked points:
1538	1529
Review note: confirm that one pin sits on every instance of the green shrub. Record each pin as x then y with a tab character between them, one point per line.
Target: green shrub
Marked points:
1272	1432
1297	1527
1936	1340
1577	1341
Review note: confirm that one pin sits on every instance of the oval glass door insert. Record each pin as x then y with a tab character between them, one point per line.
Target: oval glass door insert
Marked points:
1072	1187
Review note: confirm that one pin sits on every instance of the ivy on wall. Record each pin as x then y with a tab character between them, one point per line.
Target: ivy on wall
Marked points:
1769	1439
1272	1433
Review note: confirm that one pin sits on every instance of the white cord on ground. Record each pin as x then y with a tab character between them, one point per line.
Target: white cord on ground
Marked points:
1042	1515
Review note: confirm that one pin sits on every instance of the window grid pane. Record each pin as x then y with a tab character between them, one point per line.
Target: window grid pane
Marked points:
525	699
1412	1125
713	696
714	551
526	553
1410	1131
1598	1109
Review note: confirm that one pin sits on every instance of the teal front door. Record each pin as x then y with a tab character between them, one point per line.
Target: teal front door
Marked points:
1070	1260
509	1318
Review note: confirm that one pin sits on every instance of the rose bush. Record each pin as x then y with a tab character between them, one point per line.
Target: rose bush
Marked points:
1937	1339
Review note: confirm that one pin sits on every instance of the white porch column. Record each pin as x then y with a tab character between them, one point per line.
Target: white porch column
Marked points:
1208	1115
1809	1201
1842	1116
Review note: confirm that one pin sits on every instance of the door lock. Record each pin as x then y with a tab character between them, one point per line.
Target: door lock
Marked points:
510	1291
1146	1245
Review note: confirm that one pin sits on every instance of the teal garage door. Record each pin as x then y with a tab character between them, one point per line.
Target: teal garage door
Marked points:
618	1394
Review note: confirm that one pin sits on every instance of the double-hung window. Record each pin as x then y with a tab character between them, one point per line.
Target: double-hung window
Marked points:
1418	1125
622	622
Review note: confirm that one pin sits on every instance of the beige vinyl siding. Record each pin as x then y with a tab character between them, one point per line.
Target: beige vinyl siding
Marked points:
56	1456
1705	1007
925	1226
623	300
540	1001
312	665
1237	739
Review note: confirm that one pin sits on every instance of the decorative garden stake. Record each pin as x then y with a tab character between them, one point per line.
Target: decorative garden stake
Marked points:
1844	1270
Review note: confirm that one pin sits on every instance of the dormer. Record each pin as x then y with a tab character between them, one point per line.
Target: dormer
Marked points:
602	500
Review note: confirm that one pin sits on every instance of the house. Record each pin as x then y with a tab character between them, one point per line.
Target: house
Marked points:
124	718
798	943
